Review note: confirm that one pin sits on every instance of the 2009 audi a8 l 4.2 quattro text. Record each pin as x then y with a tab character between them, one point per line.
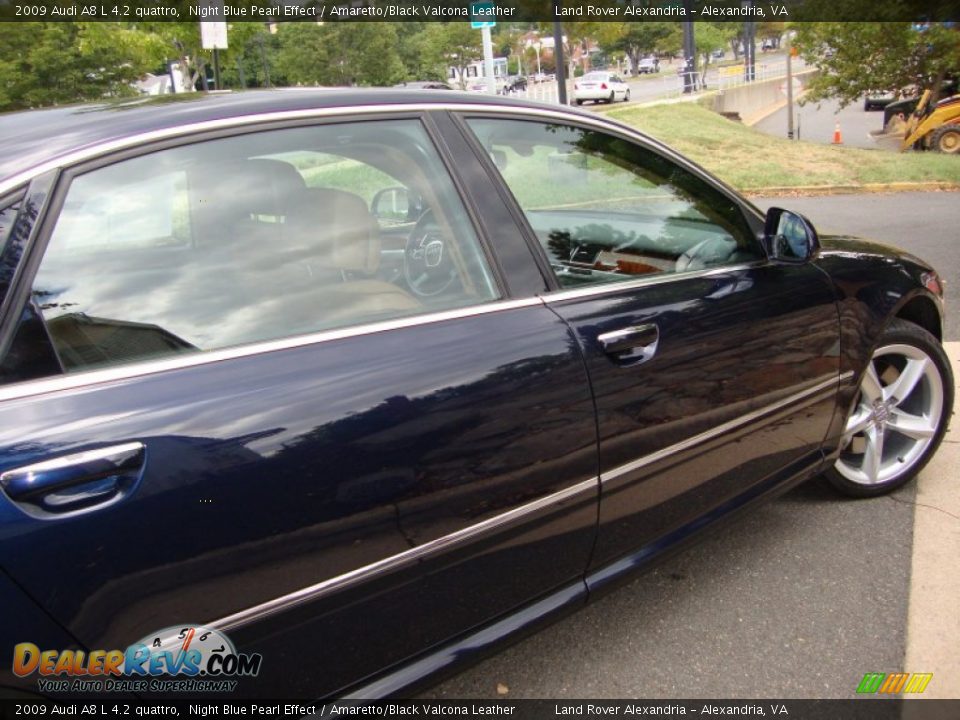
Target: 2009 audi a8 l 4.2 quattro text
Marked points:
329	391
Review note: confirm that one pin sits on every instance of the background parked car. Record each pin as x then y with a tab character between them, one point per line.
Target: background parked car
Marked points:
600	86
515	83
648	65
424	85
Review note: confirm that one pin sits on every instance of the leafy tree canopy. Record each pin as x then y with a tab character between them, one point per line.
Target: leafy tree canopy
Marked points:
860	58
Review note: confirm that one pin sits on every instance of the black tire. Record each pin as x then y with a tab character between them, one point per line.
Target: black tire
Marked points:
888	362
946	139
626	96
611	98
579	102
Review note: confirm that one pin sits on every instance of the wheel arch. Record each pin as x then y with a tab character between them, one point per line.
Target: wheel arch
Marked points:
921	310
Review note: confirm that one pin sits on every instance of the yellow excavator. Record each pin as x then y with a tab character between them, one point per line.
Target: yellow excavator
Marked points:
932	126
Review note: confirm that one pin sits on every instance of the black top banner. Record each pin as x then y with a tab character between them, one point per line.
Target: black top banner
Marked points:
887	709
498	11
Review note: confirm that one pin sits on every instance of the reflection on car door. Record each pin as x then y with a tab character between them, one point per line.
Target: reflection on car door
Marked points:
714	371
368	474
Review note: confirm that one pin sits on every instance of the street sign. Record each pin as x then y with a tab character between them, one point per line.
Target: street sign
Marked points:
479	11
213	35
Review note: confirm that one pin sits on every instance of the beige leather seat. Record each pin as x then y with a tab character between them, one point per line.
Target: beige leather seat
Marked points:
344	242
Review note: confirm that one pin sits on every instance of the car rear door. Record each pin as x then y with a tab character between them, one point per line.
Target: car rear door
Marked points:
713	369
258	427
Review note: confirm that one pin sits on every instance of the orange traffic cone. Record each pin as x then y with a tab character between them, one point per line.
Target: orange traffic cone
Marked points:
837	137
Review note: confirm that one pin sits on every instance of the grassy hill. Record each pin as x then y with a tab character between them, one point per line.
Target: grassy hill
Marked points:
752	161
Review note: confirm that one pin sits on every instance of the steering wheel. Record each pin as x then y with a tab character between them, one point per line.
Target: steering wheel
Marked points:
427	263
712	251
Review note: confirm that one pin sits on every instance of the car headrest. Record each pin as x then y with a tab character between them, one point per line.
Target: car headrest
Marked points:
340	226
244	190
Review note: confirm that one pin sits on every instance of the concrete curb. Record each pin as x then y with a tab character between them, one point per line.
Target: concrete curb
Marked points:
933	622
933	186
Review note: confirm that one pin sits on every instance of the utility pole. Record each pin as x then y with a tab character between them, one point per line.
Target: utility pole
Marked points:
789	90
689	53
561	64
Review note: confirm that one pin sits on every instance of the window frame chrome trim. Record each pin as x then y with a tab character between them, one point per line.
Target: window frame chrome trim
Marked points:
646	281
86	378
830	383
339	582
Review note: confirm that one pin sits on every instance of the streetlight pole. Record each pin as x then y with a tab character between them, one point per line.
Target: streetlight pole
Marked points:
488	59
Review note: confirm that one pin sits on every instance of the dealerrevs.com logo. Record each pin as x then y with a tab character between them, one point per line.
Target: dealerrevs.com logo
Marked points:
188	658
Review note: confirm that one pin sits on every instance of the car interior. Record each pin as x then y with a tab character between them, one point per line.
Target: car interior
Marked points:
255	238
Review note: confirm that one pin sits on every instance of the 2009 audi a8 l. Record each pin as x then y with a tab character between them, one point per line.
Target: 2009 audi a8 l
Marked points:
380	378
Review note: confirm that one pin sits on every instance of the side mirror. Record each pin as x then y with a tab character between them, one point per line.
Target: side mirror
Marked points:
392	204
789	237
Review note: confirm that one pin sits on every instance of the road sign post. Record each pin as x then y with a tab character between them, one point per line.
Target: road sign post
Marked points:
481	14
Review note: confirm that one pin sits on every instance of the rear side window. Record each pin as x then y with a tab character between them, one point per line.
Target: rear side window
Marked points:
253	238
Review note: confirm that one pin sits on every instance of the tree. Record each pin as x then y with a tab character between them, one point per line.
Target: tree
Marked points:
877	57
771	31
710	37
48	63
182	40
453	44
351	53
639	39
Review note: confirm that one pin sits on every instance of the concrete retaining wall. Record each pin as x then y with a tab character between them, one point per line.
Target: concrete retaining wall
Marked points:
758	97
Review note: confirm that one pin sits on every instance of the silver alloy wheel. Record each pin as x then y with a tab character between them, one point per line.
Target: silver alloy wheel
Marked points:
895	417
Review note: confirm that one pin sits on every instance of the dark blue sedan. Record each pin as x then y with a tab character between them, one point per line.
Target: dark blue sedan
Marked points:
320	393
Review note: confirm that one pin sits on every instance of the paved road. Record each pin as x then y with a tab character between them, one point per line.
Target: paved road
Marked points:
799	599
666	83
817	121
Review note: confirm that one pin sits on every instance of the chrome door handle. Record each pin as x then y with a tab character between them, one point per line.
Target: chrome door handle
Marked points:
632	345
77	482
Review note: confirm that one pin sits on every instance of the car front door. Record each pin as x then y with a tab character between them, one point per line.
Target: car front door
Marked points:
261	424
714	370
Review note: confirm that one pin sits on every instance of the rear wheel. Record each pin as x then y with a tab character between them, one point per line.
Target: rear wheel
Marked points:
579	102
626	96
612	97
946	139
899	416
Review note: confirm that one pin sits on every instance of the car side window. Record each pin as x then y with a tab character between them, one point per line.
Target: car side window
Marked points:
607	210
252	238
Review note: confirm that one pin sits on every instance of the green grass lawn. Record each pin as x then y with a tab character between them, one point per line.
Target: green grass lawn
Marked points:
750	160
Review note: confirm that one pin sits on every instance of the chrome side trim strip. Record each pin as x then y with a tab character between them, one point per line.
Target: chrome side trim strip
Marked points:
31	388
326	587
722	429
642	282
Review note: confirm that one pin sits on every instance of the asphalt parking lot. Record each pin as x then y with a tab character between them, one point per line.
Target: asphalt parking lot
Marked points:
799	598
